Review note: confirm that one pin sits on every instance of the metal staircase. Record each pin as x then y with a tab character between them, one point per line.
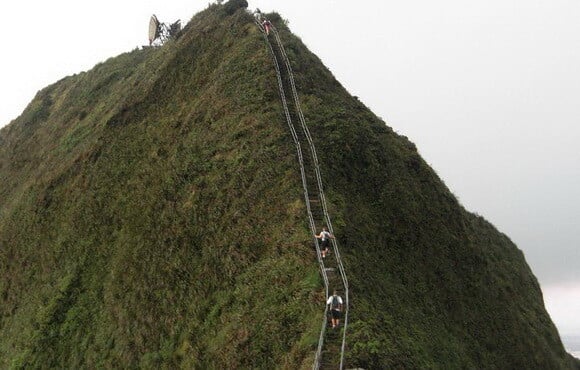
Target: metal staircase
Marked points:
332	342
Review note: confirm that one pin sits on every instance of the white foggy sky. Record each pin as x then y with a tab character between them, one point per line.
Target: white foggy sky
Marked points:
488	90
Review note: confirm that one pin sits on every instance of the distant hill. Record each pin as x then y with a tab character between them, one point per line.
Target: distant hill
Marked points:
152	215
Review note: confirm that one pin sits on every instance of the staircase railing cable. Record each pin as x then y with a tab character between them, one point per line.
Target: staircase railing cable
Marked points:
320	189
305	188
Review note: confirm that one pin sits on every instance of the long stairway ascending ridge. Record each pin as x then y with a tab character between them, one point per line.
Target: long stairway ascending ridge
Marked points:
331	346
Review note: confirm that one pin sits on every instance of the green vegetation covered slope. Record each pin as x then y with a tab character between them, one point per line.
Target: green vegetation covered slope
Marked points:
152	215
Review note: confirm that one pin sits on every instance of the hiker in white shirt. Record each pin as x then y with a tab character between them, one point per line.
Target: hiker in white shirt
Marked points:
324	237
258	15
335	304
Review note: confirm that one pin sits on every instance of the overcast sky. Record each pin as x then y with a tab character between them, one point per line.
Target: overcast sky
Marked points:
488	90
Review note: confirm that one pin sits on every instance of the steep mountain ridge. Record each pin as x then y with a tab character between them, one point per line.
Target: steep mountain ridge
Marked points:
152	216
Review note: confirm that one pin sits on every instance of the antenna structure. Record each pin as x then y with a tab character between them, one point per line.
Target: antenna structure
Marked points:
160	32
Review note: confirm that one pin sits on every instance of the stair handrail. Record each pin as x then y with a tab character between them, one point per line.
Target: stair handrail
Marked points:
320	189
318	354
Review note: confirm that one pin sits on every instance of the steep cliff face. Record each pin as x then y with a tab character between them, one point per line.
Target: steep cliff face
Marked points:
152	214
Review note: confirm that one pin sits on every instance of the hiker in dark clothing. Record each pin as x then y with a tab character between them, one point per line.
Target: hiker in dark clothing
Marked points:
335	304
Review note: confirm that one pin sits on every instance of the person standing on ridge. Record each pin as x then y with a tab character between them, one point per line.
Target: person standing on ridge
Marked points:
258	15
335	304
267	26
324	237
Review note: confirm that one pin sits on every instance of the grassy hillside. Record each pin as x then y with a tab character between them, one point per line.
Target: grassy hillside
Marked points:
155	215
152	216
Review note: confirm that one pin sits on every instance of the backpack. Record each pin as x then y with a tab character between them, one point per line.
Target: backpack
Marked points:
334	304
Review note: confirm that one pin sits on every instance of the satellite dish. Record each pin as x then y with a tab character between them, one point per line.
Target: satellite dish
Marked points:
153	29
159	32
